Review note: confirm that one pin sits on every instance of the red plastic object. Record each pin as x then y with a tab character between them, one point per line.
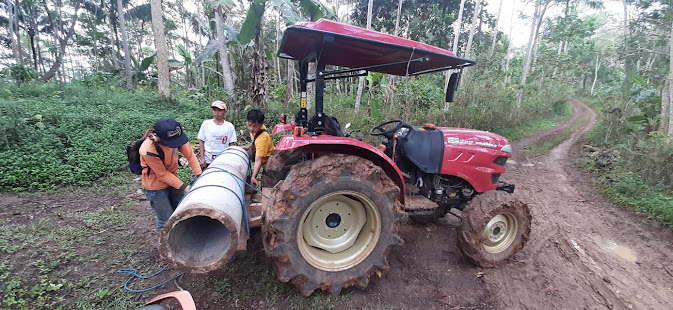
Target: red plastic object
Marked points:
278	128
183	297
429	126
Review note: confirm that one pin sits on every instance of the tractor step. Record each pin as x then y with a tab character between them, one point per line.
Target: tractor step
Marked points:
418	203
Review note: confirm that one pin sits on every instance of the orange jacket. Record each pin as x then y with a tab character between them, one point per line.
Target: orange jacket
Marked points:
161	175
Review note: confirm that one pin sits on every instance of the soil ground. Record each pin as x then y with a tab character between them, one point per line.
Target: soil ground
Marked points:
583	252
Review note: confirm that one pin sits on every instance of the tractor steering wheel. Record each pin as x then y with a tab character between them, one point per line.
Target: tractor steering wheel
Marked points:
378	130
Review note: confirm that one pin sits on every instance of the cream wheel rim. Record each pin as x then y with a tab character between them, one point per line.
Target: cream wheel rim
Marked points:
339	231
500	232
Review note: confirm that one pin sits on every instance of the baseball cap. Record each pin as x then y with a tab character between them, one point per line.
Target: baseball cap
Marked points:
219	104
170	132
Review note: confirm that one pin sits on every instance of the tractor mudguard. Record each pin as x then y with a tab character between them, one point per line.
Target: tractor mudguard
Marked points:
325	144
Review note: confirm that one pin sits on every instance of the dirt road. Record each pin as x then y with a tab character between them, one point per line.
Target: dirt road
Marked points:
584	252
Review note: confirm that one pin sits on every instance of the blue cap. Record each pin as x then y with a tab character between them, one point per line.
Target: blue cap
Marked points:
170	132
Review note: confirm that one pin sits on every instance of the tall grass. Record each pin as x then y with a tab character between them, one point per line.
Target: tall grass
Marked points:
636	167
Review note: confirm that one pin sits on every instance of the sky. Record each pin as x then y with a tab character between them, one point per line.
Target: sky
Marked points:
521	27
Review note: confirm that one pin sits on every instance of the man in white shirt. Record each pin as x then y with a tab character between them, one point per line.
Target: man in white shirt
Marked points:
215	134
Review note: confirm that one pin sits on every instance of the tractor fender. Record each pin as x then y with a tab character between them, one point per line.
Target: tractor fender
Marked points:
325	144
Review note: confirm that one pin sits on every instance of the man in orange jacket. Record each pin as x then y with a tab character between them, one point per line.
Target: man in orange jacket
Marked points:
159	159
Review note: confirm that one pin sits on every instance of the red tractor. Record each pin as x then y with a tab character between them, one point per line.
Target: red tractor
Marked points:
334	203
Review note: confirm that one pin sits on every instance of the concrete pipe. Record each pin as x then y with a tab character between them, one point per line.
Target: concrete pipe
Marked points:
204	231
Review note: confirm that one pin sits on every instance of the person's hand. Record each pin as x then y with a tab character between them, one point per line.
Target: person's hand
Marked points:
188	188
203	164
254	182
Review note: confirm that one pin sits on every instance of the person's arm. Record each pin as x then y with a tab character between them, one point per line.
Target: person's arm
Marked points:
186	150
157	165
202	153
232	135
255	171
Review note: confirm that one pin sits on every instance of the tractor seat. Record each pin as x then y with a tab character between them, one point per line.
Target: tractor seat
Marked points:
332	126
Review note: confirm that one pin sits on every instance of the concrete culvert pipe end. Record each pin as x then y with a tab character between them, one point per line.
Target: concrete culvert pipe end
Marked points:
199	242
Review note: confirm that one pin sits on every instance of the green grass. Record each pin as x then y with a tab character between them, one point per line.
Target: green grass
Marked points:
249	275
630	190
48	263
517	133
545	146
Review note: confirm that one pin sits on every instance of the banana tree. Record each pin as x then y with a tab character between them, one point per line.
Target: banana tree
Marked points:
373	78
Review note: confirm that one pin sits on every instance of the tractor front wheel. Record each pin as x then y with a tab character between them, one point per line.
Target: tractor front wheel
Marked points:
494	227
331	223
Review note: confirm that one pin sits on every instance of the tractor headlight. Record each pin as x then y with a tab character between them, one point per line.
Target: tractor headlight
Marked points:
507	148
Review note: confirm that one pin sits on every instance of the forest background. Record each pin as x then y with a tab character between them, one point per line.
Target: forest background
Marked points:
81	78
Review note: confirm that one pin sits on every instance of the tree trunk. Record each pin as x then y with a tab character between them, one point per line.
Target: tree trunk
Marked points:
259	65
361	82
185	41
598	65
459	24
161	47
224	55
626	86
397	20
113	28
670	87
34	51
470	39
39	53
665	105
289	92
32	33
62	42
495	31
125	42
278	25
17	32
15	45
536	48
529	51
509	46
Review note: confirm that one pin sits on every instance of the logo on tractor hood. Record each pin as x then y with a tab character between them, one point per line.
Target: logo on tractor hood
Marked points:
458	141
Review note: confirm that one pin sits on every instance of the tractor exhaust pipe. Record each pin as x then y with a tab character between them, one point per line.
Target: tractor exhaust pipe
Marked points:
209	223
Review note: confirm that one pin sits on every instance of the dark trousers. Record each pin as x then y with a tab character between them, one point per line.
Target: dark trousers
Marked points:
164	202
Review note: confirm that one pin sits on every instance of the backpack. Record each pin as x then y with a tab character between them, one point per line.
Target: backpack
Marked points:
252	151
133	153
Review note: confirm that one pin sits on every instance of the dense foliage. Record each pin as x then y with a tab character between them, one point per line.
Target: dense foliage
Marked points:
52	135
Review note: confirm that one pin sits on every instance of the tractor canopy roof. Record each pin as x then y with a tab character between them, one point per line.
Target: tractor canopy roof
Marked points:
343	45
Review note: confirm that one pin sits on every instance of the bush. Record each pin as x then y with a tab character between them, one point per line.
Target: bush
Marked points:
72	137
21	73
53	135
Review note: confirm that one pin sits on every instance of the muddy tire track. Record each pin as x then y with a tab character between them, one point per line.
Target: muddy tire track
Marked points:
584	252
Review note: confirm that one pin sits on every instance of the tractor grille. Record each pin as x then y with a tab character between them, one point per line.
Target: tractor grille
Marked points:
500	161
495	177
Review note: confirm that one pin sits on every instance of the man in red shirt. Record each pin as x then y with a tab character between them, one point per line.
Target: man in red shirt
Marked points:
159	159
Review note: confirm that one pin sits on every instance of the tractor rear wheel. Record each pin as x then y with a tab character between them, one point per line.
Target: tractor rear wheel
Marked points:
494	227
331	223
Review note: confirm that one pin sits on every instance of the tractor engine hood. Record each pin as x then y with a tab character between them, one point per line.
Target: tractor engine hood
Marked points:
476	138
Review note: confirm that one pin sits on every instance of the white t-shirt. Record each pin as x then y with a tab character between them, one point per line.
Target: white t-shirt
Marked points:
216	137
